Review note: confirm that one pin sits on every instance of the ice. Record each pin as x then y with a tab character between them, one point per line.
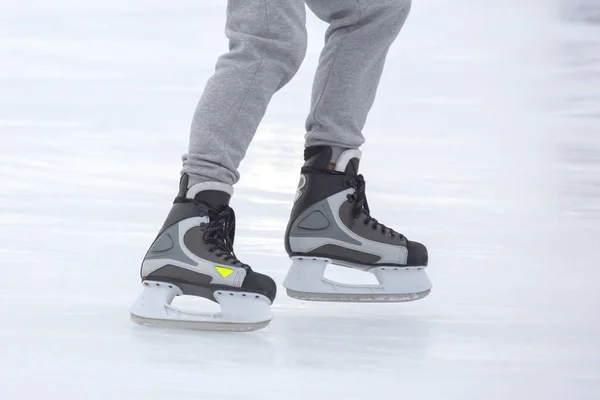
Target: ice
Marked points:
483	143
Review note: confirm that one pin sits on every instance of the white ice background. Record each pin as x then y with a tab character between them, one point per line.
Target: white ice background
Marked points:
484	143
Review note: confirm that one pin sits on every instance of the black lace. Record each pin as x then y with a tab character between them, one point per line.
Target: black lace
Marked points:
219	233
361	206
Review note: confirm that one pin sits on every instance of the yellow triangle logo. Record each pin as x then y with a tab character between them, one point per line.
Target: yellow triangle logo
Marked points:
224	272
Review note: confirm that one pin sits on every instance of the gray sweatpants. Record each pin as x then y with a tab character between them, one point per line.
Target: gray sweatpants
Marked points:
268	41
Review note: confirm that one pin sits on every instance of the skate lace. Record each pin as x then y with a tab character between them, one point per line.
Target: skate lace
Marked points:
361	207
219	233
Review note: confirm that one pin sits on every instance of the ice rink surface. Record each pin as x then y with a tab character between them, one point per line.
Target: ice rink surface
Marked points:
484	143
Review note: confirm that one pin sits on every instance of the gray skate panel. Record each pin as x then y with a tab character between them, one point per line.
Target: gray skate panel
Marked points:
314	221
162	249
366	231
305	237
331	230
194	241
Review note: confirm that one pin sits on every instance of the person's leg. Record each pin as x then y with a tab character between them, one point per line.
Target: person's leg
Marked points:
267	46
330	221
193	252
351	64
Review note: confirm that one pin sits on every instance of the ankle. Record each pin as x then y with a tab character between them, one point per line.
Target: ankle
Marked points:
332	159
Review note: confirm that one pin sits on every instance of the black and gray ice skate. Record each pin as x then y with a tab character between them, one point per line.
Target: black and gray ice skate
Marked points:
331	223
193	255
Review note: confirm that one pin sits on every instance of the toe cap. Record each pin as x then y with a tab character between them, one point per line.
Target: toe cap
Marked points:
417	254
260	283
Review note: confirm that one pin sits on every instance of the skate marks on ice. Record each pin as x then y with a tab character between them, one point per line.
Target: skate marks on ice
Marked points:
309	350
578	99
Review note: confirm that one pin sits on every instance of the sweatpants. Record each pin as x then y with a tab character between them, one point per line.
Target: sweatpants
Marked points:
267	45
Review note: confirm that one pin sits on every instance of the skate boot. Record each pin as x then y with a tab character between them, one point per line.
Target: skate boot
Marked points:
330	223
193	255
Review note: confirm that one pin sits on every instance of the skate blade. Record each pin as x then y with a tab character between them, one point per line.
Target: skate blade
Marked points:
357	298
305	281
199	326
240	311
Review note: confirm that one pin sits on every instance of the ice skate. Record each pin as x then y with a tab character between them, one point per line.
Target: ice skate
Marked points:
193	255
330	223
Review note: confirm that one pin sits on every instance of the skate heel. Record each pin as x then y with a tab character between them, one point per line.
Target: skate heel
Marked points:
305	281
240	311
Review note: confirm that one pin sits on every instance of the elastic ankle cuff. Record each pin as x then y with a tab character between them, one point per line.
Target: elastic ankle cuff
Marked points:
194	189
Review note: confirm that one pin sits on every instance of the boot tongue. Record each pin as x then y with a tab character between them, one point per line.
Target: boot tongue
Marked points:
352	167
317	157
214	198
348	162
